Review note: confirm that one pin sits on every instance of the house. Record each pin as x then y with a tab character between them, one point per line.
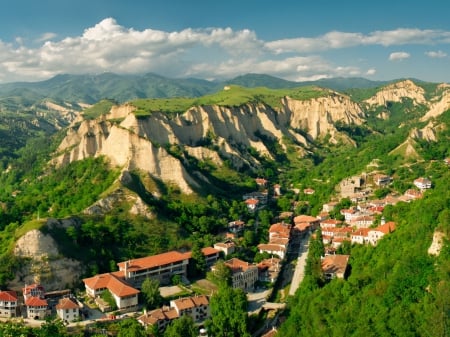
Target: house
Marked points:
309	191
335	266
161	267
236	226
360	236
244	275
350	186
261	182
377	233
280	230
160	318
273	249
303	223
349	214
125	296
287	215
197	307
228	247
362	221
262	197
33	290
381	179
8	304
413	194
328	207
447	161
422	183
330	223
68	310
252	204
277	190
36	307
269	269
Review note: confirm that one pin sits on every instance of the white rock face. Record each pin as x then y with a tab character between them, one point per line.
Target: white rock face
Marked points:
436	245
438	108
135	143
44	263
396	91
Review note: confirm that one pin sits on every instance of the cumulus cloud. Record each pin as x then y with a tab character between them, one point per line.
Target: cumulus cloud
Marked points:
371	72
399	56
436	54
205	53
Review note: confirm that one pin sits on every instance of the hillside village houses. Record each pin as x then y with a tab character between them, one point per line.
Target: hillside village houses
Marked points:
357	228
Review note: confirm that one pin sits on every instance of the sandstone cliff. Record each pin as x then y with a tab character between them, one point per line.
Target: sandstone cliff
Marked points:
42	261
132	142
396	92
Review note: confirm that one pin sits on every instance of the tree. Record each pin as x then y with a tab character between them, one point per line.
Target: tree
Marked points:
198	261
52	328
228	313
182	327
151	294
131	328
220	275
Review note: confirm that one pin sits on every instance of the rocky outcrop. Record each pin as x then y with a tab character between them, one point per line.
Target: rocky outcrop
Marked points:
205	132
439	107
396	92
42	261
437	243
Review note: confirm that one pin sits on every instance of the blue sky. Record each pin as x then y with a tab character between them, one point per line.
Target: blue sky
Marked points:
295	40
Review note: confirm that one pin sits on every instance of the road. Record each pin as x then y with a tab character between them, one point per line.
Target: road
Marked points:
299	272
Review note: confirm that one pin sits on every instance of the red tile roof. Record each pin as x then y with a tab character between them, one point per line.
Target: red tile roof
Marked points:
335	263
66	303
114	284
153	261
35	302
27	289
387	228
9	296
305	218
237	265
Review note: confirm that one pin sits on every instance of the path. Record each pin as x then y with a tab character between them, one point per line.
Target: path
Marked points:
299	272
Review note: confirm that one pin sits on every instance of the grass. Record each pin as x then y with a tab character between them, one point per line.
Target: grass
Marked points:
232	97
98	109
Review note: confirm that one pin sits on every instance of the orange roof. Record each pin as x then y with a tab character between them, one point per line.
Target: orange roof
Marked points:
271	247
387	228
207	251
305	218
35	302
361	232
190	302
114	284
237	265
335	263
159	314
252	201
9	296
66	303
153	261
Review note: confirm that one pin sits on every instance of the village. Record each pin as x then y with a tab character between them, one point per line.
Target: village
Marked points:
287	239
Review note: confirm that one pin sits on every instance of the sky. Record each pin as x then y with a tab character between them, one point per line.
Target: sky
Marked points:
216	40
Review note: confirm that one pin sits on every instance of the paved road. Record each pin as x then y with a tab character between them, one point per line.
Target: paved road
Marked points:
299	272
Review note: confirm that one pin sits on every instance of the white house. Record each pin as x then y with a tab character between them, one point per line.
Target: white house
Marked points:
36	307
244	274
8	304
197	307
422	183
68	310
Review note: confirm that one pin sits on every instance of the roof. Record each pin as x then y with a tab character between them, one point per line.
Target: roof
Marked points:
66	303
36	302
305	218
113	283
207	251
190	302
271	247
361	232
335	264
153	261
252	201
386	228
156	315
9	296
422	180
237	265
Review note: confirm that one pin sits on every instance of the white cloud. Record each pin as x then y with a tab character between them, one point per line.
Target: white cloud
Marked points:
436	54
204	53
399	56
371	72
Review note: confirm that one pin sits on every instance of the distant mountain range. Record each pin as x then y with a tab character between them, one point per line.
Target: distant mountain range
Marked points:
92	88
